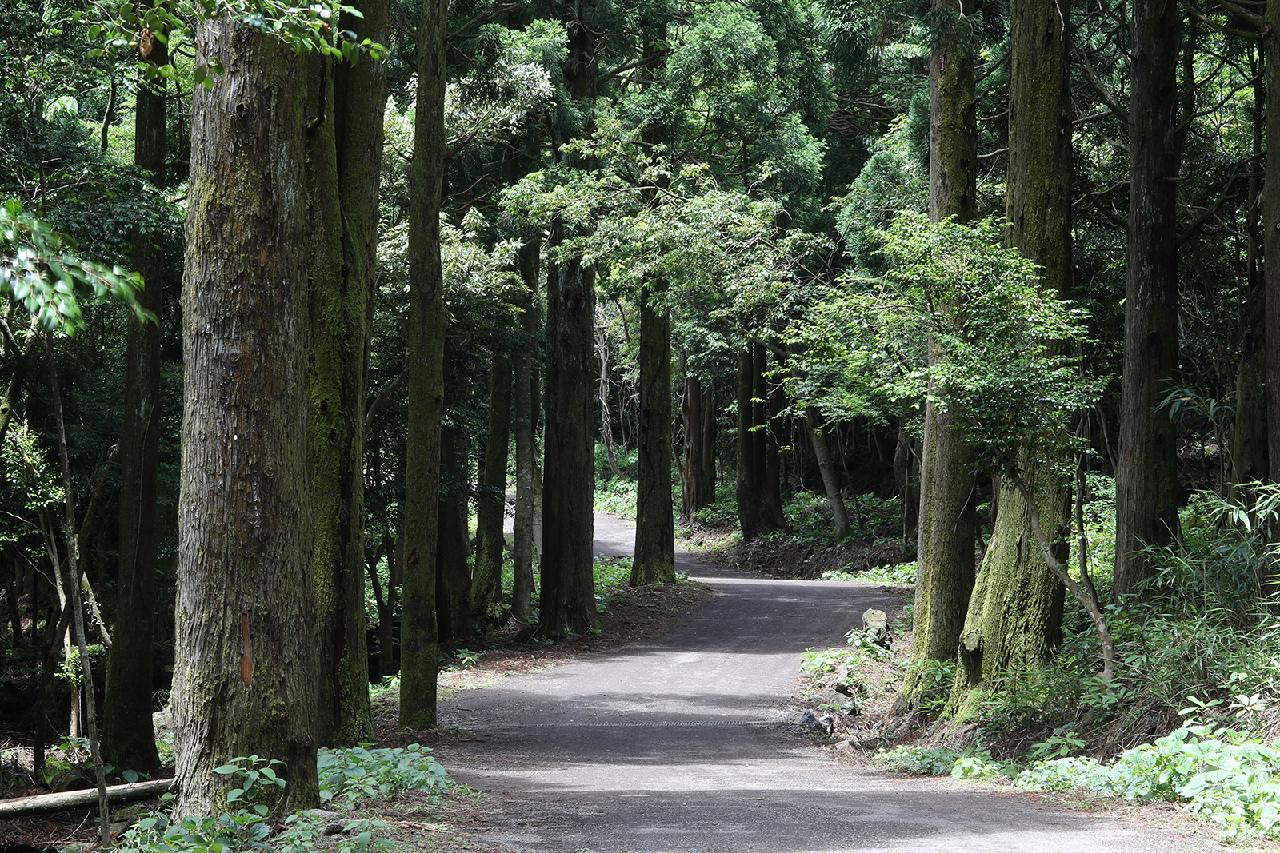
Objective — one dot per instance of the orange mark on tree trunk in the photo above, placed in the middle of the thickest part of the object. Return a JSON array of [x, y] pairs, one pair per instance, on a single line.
[[246, 650]]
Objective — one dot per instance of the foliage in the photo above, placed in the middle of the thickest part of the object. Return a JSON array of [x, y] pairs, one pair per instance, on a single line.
[[359, 773], [41, 270], [894, 573], [347, 777]]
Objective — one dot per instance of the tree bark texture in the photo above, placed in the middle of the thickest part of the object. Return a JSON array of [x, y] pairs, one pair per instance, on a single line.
[[654, 553], [946, 522], [128, 736], [419, 644], [698, 465], [567, 601], [1015, 612], [1146, 468], [245, 657]]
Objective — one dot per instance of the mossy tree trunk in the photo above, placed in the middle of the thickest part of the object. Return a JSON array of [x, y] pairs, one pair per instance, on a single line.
[[244, 675], [567, 602], [946, 526], [654, 553], [344, 135], [128, 736], [1146, 467], [419, 644], [1015, 612]]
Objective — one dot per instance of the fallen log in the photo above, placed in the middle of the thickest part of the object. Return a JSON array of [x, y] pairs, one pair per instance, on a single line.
[[87, 797]]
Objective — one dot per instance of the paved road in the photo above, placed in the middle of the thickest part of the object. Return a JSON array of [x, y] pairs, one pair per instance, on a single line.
[[686, 744]]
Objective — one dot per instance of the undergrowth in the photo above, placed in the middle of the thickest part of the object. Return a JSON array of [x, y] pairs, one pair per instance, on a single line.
[[347, 777], [1190, 716]]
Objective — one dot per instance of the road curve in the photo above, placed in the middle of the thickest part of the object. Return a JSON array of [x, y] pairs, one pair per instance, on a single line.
[[686, 744]]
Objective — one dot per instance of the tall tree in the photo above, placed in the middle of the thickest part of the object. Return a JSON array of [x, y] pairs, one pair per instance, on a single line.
[[698, 462], [757, 488], [1015, 611], [344, 135], [946, 522], [419, 644], [654, 550], [654, 554], [567, 600], [1271, 228], [128, 736], [491, 497], [528, 402], [1146, 468], [244, 682]]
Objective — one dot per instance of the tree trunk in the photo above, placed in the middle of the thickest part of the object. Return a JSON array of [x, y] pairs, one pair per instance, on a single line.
[[358, 110], [827, 467], [452, 547], [758, 497], [1249, 457], [1146, 470], [491, 497], [526, 419], [654, 553], [946, 523], [128, 736], [568, 487], [244, 682], [419, 645], [698, 466], [1015, 611], [344, 125], [1271, 242]]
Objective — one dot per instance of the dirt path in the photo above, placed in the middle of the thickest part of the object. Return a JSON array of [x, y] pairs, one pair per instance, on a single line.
[[686, 744]]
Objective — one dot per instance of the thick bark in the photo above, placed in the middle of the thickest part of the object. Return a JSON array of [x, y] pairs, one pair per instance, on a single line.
[[654, 553], [358, 110], [419, 645], [1146, 469], [244, 679], [698, 463], [128, 736], [827, 467], [946, 523], [452, 549], [1015, 612], [491, 497], [526, 420], [567, 602]]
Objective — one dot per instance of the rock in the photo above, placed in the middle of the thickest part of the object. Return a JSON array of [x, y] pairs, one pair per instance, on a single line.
[[824, 723], [876, 623], [334, 823]]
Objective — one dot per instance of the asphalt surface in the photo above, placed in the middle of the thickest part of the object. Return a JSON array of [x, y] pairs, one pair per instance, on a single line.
[[688, 744]]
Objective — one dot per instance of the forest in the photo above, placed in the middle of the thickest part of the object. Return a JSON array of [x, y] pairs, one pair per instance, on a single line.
[[564, 425]]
